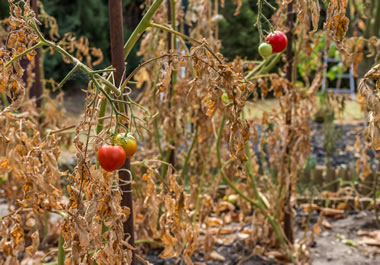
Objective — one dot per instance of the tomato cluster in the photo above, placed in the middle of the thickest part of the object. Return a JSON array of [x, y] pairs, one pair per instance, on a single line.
[[276, 43], [112, 157]]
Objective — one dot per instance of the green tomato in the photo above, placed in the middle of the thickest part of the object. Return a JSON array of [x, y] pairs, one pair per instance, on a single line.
[[233, 198], [265, 49], [3, 179], [226, 100]]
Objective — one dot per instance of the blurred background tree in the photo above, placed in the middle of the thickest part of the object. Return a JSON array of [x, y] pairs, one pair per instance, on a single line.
[[238, 34], [373, 13], [89, 18]]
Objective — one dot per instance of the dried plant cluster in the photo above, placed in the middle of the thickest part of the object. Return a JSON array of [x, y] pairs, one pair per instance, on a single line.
[[369, 89], [192, 142]]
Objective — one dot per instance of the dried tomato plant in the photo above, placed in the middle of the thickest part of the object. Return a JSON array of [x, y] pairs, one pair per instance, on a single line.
[[196, 147]]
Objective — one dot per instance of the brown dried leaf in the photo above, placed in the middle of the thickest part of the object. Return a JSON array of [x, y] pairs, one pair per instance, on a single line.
[[326, 224], [216, 256], [317, 229]]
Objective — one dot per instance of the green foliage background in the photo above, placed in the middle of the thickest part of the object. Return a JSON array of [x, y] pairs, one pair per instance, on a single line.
[[84, 18], [89, 18], [238, 34]]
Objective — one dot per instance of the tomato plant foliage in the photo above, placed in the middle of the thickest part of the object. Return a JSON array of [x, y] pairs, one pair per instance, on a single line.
[[191, 122]]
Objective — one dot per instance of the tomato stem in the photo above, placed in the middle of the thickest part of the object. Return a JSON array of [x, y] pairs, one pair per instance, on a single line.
[[76, 67], [4, 99], [257, 203], [257, 68], [18, 56], [269, 67], [61, 250], [167, 29], [141, 27]]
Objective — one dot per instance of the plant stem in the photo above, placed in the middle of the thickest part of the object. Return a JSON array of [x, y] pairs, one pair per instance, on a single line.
[[276, 227], [61, 251], [4, 99], [158, 26], [173, 20], [141, 27], [46, 225], [86, 69], [165, 165], [173, 46], [109, 85], [154, 25], [258, 21], [251, 174], [76, 67], [220, 166], [271, 64], [254, 70], [18, 56], [102, 112]]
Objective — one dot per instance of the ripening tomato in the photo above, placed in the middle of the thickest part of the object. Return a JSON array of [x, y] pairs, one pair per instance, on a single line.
[[278, 40], [265, 49], [111, 157], [128, 142]]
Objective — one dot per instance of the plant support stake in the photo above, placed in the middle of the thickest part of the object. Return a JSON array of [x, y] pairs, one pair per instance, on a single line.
[[117, 54], [36, 90], [288, 229]]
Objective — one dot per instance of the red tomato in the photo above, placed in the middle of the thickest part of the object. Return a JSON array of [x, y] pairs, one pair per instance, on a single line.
[[111, 157], [234, 215], [278, 40]]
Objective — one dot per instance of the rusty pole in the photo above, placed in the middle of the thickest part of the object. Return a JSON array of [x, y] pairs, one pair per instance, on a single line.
[[117, 55], [288, 228]]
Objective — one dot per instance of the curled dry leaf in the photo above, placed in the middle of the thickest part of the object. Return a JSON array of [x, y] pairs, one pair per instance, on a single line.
[[337, 22]]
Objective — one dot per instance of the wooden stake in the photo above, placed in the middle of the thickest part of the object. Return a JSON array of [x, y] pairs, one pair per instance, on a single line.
[[117, 54], [288, 225]]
